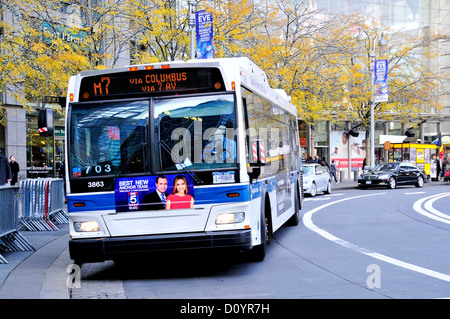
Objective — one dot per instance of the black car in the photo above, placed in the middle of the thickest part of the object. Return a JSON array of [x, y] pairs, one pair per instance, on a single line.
[[391, 175]]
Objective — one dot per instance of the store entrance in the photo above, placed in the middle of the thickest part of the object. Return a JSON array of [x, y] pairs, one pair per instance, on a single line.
[[59, 157]]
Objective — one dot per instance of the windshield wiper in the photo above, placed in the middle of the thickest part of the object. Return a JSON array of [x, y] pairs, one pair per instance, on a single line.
[[128, 162], [180, 162]]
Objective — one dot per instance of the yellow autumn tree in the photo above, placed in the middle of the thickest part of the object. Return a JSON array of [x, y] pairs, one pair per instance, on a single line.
[[45, 42], [413, 86], [160, 30], [37, 59], [316, 59], [286, 40]]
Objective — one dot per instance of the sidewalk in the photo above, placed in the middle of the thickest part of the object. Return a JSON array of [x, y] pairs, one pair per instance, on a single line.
[[345, 184], [27, 274]]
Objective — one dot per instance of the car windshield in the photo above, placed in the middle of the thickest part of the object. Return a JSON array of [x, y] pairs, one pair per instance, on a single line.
[[385, 167], [307, 170]]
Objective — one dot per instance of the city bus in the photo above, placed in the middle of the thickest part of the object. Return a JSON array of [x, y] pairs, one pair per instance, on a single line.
[[179, 155]]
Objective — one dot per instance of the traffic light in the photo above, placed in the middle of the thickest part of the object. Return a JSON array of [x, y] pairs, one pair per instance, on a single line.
[[45, 122]]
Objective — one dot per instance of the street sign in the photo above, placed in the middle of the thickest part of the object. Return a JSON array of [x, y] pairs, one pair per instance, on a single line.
[[61, 100], [381, 93]]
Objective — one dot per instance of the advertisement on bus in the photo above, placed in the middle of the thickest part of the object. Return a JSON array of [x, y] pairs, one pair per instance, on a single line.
[[154, 192]]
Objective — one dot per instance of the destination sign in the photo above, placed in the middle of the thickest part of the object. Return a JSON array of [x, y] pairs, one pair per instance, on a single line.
[[150, 82]]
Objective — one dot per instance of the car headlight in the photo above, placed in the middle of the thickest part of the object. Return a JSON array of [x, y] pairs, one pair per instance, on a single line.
[[87, 226], [230, 218], [383, 176]]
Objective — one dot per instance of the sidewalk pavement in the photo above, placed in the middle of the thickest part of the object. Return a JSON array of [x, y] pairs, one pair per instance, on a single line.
[[38, 274], [32, 274]]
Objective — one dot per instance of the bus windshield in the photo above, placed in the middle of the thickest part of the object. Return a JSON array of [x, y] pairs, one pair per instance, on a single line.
[[196, 132], [108, 138]]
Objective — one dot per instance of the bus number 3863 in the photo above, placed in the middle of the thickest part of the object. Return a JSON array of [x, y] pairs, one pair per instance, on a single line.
[[96, 184]]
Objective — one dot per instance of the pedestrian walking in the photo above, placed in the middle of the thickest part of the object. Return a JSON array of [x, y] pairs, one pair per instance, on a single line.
[[438, 167], [14, 169], [333, 171], [5, 170], [324, 162]]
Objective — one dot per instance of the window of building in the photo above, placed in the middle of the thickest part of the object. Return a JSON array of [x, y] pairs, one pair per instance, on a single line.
[[44, 154]]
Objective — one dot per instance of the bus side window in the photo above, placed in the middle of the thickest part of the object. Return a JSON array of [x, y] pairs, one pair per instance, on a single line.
[[247, 138]]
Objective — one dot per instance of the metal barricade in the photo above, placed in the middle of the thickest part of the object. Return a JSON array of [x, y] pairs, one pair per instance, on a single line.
[[41, 204], [10, 239]]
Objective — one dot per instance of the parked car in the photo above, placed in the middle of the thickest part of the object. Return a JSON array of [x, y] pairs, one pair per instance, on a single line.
[[392, 174], [315, 179]]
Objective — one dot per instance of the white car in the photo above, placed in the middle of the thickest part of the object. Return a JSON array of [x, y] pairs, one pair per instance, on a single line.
[[316, 179]]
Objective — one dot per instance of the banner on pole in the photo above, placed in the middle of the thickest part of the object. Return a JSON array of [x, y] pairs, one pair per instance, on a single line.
[[381, 93], [205, 36]]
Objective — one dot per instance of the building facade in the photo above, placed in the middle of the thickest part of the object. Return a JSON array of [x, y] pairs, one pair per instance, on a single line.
[[42, 156], [325, 139], [39, 156]]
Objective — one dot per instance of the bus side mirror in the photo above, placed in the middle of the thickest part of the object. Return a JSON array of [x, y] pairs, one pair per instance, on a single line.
[[259, 159], [45, 122]]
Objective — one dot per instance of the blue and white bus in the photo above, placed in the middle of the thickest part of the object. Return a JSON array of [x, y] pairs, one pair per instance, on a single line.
[[179, 155]]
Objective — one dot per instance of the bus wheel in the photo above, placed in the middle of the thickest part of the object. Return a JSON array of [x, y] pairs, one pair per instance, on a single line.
[[258, 253], [295, 219]]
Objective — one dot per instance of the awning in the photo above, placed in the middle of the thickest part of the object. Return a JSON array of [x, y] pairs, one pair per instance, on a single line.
[[392, 138]]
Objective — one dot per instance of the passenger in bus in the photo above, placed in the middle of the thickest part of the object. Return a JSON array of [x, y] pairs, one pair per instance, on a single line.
[[220, 148], [180, 197], [158, 198]]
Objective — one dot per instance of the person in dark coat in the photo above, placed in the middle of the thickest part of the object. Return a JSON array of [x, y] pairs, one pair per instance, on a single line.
[[5, 170], [157, 199], [14, 169]]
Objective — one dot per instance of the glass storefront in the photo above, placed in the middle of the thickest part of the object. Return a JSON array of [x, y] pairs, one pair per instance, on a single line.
[[44, 154]]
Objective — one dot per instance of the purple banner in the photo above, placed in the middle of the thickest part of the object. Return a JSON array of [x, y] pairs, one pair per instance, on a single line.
[[205, 36]]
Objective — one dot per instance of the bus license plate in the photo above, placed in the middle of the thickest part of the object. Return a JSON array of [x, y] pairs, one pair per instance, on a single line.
[[223, 177]]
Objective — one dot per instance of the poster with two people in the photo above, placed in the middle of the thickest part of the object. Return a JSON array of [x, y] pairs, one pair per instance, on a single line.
[[345, 148], [159, 192]]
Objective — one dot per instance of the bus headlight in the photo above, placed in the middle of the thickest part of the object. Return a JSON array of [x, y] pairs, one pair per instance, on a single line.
[[230, 218], [88, 226]]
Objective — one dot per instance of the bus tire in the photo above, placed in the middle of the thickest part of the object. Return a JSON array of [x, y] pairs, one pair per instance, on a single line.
[[258, 252], [295, 219]]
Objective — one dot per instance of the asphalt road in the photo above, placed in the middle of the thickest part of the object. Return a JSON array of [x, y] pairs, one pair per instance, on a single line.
[[352, 244]]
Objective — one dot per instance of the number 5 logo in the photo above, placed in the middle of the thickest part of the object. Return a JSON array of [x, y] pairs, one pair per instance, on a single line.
[[133, 199]]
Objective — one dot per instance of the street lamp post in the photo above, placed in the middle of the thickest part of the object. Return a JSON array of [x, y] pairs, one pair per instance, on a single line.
[[361, 36], [191, 4], [372, 111]]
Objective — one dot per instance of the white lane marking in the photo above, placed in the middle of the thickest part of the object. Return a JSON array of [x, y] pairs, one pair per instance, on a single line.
[[326, 197], [317, 199], [429, 211], [414, 193], [307, 220], [429, 205]]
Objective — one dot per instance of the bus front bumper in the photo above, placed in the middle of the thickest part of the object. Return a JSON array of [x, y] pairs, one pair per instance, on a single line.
[[101, 249]]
